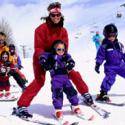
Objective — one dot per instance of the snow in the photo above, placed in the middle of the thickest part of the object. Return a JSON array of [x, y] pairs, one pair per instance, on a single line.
[[41, 107], [84, 54]]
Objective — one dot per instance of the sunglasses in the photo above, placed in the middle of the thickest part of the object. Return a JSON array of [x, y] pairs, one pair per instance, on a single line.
[[55, 15], [60, 49], [4, 57]]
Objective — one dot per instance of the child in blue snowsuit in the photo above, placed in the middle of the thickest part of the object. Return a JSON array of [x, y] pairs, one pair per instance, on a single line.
[[97, 40], [111, 51], [59, 63]]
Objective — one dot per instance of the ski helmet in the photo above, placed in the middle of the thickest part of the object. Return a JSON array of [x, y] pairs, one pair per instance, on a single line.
[[110, 30], [12, 46]]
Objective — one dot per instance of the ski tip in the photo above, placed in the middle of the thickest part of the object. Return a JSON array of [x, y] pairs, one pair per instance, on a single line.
[[66, 123], [91, 118], [106, 115], [75, 123]]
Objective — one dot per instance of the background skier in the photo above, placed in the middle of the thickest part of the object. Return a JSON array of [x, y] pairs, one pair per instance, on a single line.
[[5, 68], [15, 59], [97, 39], [16, 75], [111, 51]]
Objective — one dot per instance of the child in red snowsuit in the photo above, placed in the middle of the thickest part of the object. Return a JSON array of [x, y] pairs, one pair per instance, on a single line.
[[14, 73], [5, 67]]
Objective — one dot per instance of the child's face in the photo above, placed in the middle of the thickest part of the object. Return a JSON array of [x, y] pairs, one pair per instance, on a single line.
[[55, 17], [2, 37], [60, 49], [112, 37], [12, 50], [5, 57]]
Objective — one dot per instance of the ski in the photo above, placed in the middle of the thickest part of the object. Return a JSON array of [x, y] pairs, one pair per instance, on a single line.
[[32, 120], [8, 99], [116, 104], [11, 92], [83, 117], [100, 111], [36, 121], [113, 103], [62, 122]]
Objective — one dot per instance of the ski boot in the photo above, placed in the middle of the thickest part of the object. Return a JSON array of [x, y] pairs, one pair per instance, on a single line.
[[21, 112], [59, 114], [76, 110], [23, 88], [25, 80], [103, 97], [88, 99]]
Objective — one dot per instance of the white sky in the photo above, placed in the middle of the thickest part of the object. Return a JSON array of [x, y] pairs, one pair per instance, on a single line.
[[24, 16]]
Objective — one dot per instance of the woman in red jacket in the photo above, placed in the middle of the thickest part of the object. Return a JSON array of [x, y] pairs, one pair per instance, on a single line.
[[45, 35]]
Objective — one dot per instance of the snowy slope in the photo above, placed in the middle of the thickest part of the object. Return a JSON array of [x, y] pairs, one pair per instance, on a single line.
[[42, 107], [83, 51]]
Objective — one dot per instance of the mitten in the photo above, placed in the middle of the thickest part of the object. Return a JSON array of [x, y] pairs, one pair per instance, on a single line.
[[70, 64], [97, 66], [44, 63]]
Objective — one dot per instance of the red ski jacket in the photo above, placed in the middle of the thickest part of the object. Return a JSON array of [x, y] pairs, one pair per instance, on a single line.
[[45, 35]]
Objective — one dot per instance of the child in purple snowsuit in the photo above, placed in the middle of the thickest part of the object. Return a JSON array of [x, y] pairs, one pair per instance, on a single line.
[[59, 63], [111, 51]]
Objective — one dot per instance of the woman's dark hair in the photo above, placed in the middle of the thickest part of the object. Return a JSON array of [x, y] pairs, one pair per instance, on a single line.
[[3, 34], [54, 5], [55, 43]]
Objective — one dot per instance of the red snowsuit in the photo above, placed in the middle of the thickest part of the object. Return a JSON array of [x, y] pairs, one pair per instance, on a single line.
[[45, 35], [4, 79]]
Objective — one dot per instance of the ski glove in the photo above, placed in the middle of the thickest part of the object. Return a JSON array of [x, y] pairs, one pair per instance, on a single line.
[[20, 67], [43, 62], [97, 66], [7, 63], [70, 64]]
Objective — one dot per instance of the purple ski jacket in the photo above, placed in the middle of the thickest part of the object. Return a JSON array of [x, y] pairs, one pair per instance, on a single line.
[[110, 52]]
